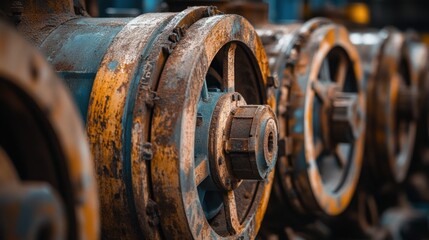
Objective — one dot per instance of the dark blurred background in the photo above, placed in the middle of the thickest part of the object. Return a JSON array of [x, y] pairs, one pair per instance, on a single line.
[[404, 14]]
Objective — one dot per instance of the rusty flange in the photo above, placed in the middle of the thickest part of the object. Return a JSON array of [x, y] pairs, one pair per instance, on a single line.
[[321, 113], [43, 142], [216, 69], [391, 85], [120, 127], [115, 78]]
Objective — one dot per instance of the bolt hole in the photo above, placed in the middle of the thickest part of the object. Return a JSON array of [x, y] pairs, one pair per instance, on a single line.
[[270, 142]]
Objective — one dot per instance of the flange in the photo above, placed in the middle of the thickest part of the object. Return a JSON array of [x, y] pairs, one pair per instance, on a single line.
[[218, 59]]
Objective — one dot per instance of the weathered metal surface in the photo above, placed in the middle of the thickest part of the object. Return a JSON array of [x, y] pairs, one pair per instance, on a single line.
[[256, 12], [390, 76], [122, 96], [322, 117], [141, 97], [76, 49], [251, 142], [44, 138], [207, 56], [123, 179], [36, 19]]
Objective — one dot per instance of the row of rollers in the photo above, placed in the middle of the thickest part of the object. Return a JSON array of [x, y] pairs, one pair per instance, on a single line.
[[152, 181]]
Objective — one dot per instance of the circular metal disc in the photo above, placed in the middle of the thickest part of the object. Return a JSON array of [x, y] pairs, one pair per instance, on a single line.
[[173, 167]]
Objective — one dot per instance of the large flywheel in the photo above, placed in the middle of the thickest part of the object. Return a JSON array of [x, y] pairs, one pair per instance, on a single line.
[[121, 79], [214, 137]]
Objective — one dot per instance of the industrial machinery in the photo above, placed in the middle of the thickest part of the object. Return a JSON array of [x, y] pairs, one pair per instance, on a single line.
[[392, 92], [391, 82], [321, 110], [176, 113], [204, 124], [47, 180]]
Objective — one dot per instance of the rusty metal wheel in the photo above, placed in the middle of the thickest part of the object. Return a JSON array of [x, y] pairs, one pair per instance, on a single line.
[[214, 138], [392, 105], [47, 186], [321, 109], [113, 78]]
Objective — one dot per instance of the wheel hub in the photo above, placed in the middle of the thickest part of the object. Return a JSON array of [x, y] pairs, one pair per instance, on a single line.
[[241, 138], [342, 121], [346, 118]]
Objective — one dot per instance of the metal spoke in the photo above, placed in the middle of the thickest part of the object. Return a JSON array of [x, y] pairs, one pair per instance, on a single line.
[[325, 73], [318, 148], [215, 74], [340, 75], [322, 88], [340, 156], [202, 170], [229, 68], [231, 215]]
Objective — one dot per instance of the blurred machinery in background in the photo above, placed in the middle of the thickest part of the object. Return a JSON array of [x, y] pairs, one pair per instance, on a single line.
[[203, 124], [322, 114], [47, 183]]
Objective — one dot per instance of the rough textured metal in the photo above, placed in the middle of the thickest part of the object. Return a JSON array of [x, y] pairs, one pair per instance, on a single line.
[[122, 172], [315, 63], [256, 12], [141, 82], [174, 164], [115, 80], [42, 135], [251, 142], [41, 17]]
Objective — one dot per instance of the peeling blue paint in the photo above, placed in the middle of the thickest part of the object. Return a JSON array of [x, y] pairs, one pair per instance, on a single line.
[[112, 65]]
